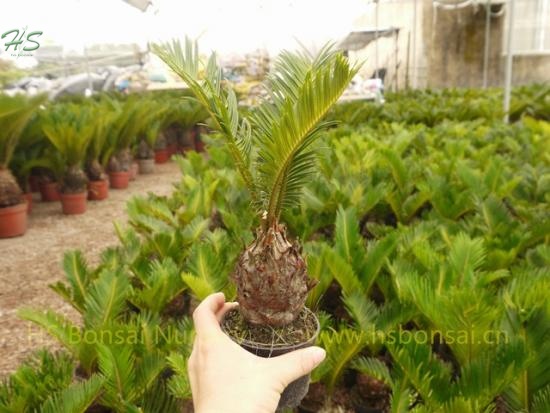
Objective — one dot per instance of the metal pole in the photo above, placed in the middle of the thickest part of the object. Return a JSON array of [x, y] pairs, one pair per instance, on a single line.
[[414, 62], [90, 86], [509, 57], [376, 41], [487, 43]]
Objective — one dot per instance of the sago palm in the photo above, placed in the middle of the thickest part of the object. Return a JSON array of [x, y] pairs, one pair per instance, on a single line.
[[69, 128], [272, 150], [14, 114]]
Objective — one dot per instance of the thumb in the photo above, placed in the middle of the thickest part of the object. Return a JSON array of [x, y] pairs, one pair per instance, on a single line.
[[296, 364]]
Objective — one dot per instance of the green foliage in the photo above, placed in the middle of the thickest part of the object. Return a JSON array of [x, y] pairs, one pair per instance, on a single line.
[[15, 112], [428, 238], [271, 149]]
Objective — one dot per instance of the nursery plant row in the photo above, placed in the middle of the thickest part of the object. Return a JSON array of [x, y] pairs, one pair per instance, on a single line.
[[74, 151], [428, 237]]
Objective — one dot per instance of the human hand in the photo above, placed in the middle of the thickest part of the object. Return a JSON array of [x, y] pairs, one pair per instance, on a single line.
[[226, 378]]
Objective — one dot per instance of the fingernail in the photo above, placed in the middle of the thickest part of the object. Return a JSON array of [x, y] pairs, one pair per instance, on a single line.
[[318, 355]]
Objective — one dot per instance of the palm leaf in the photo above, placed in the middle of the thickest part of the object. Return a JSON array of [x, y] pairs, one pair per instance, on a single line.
[[76, 398]]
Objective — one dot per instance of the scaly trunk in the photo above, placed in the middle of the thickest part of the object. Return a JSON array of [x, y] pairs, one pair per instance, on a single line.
[[145, 151], [74, 181], [95, 171], [10, 193], [271, 278], [121, 161], [160, 142]]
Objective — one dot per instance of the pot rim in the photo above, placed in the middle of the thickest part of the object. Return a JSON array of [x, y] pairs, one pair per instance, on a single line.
[[75, 194], [14, 208], [273, 347]]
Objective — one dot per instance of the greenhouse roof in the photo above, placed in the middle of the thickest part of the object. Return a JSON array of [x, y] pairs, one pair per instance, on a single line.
[[359, 39]]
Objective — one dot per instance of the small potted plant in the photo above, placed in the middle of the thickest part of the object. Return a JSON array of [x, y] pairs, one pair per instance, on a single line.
[[30, 147], [14, 114], [123, 136], [99, 152], [149, 137], [272, 150], [70, 128]]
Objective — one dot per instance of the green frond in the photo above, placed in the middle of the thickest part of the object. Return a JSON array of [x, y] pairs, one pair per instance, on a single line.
[[76, 398], [56, 325], [78, 276], [362, 310], [160, 285], [341, 347], [541, 401], [375, 368], [303, 89], [116, 364], [106, 298], [179, 384], [215, 97]]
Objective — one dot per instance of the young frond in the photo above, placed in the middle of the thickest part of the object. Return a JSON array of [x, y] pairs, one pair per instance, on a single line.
[[303, 90], [76, 398]]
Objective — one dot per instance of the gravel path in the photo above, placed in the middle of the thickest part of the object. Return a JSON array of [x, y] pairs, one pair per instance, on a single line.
[[30, 263]]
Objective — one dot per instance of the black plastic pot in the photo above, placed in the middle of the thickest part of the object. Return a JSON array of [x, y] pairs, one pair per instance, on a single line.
[[295, 391]]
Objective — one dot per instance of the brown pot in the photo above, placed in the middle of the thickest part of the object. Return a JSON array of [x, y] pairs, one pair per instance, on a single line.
[[74, 204], [294, 393], [134, 169], [161, 156], [13, 220], [28, 199], [119, 180], [146, 166], [34, 183], [98, 190], [49, 191]]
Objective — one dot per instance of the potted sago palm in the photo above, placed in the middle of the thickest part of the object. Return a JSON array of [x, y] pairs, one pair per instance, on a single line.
[[147, 153], [99, 152], [123, 135], [30, 147], [70, 128], [272, 149], [15, 112]]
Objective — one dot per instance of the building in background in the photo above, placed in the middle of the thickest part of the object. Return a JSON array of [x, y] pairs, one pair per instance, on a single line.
[[441, 43]]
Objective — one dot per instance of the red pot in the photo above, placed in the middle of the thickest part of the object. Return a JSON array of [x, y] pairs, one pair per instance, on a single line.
[[199, 145], [13, 220], [28, 199], [49, 191], [74, 204], [161, 156], [34, 183], [119, 180], [134, 169], [98, 190]]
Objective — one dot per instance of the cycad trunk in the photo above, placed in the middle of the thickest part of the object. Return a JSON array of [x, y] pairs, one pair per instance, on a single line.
[[95, 171], [10, 192], [271, 278], [74, 181]]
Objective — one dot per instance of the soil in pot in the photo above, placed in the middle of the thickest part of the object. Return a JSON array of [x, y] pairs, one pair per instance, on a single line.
[[161, 156], [146, 166], [266, 341], [98, 190], [49, 192], [13, 220], [119, 180], [74, 204]]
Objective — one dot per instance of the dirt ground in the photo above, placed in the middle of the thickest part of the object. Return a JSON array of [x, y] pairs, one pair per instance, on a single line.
[[30, 263]]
